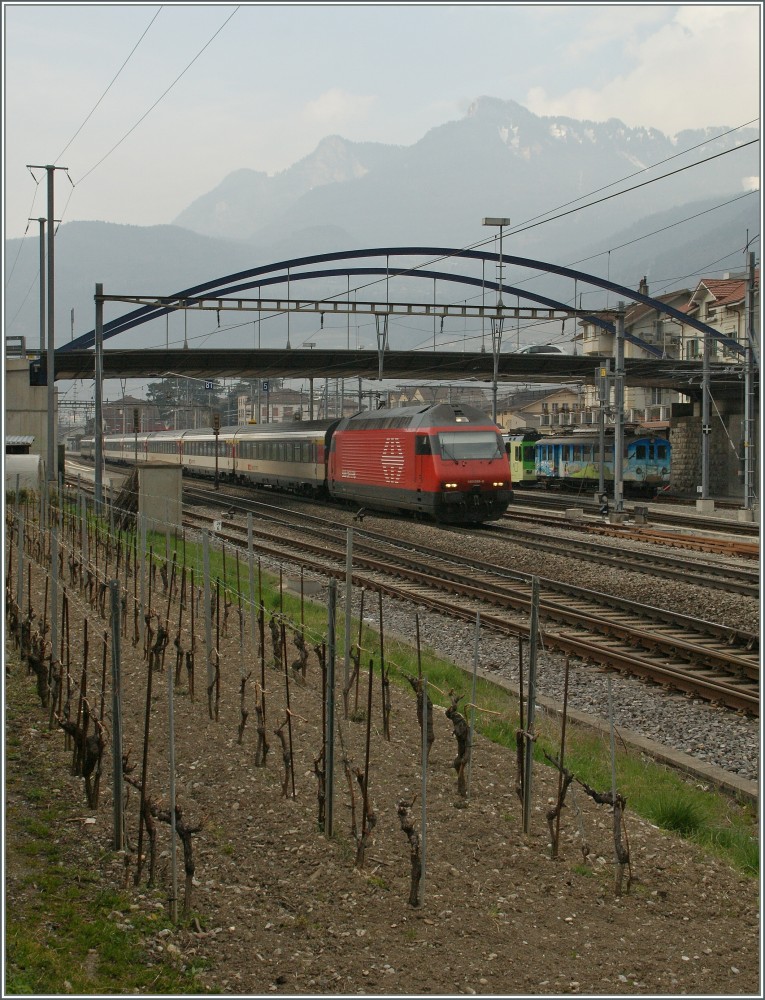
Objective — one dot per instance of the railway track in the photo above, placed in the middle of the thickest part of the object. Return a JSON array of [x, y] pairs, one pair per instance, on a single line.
[[709, 661], [525, 500], [712, 575]]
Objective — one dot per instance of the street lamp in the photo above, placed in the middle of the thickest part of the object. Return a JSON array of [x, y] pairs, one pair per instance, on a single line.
[[496, 325], [501, 222]]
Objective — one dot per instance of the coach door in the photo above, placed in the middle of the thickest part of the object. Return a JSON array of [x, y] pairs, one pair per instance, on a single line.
[[639, 464], [423, 465]]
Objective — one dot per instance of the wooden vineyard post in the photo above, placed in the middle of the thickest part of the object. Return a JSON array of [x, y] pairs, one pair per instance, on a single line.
[[289, 710], [171, 763], [116, 716], [329, 739], [555, 833], [519, 733], [149, 631], [208, 616], [531, 706], [144, 775], [178, 643], [142, 610], [365, 814], [190, 664], [53, 607], [385, 683], [20, 570], [621, 854], [240, 613], [251, 569], [471, 737], [170, 589], [348, 599], [417, 639], [426, 744]]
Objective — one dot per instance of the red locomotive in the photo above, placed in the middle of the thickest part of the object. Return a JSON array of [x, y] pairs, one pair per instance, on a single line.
[[446, 461]]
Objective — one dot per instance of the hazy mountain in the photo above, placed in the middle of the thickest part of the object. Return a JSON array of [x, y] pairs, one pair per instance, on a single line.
[[247, 201], [500, 159]]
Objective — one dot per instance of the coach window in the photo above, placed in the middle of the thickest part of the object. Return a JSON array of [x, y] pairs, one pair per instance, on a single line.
[[422, 445]]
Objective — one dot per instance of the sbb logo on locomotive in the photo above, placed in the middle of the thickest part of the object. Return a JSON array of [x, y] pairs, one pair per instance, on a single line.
[[392, 460]]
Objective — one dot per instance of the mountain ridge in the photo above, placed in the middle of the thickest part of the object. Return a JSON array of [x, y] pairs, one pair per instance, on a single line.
[[499, 158]]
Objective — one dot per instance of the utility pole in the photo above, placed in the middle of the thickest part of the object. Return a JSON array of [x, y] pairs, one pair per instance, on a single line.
[[496, 324], [750, 399], [619, 407], [50, 473], [42, 285], [706, 427], [603, 382], [98, 429]]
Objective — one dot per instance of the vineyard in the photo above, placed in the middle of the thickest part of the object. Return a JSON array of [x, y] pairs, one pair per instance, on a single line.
[[311, 831]]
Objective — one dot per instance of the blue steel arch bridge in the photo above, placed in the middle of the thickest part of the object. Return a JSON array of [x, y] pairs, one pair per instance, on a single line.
[[227, 295]]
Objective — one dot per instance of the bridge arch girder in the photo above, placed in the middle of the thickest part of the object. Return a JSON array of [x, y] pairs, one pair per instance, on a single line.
[[172, 302]]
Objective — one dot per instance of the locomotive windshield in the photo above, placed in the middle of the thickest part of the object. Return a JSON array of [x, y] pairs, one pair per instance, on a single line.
[[461, 445]]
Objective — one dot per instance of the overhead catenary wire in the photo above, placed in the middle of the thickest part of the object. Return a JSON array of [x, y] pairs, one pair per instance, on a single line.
[[113, 81], [29, 219], [160, 98]]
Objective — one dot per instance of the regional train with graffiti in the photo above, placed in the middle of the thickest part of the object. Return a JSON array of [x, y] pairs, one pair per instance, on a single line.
[[572, 461], [445, 461]]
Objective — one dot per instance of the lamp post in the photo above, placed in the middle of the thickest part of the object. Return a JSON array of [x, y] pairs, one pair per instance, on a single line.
[[496, 325]]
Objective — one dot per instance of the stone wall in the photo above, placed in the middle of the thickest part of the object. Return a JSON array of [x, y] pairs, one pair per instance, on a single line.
[[725, 472]]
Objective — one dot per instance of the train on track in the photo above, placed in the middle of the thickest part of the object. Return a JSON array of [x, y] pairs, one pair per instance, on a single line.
[[572, 461], [441, 460]]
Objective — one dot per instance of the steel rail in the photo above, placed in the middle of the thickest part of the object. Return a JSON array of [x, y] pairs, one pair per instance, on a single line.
[[617, 645]]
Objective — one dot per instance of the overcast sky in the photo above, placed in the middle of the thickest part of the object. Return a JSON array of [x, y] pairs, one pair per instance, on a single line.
[[189, 93]]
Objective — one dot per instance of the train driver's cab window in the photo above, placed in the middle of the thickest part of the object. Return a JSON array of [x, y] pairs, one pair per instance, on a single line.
[[464, 445], [640, 452], [661, 452], [422, 445]]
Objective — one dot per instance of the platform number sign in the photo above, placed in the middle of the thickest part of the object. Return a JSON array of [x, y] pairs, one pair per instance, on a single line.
[[265, 387], [209, 386]]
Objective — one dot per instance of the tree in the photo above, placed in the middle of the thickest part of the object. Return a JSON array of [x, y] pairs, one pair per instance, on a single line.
[[171, 393]]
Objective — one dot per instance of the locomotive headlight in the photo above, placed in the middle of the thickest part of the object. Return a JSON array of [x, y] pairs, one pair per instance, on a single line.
[[499, 484], [449, 486]]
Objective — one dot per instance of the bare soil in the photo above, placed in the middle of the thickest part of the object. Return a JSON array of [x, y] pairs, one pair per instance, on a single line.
[[281, 908]]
